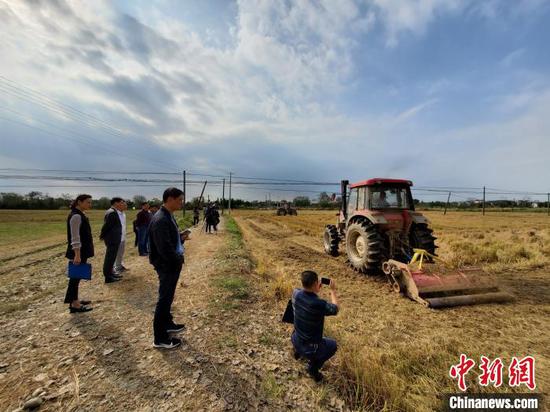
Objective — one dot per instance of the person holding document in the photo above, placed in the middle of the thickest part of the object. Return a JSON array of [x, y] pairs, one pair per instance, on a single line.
[[166, 251], [80, 247]]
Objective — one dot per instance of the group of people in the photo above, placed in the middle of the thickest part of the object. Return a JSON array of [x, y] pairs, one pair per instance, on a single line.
[[80, 244], [211, 217], [160, 238]]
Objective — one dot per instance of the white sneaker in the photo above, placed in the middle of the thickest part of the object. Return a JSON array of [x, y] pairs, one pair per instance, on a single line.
[[170, 343]]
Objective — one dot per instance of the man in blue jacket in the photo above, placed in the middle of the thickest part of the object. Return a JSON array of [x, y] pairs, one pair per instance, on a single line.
[[166, 252], [309, 320]]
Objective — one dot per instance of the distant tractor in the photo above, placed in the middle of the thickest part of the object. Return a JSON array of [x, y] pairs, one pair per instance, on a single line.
[[285, 208], [383, 233]]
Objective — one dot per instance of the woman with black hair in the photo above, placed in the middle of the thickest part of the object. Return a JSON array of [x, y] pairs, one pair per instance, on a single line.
[[80, 247]]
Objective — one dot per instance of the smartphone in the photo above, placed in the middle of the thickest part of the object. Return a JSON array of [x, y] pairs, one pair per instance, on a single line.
[[325, 281]]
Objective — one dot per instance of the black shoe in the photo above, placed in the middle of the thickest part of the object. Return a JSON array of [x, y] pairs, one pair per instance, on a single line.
[[80, 309], [176, 328], [169, 343], [112, 279], [297, 356], [315, 374]]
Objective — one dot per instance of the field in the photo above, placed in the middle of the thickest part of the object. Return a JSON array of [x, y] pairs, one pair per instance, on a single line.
[[394, 354]]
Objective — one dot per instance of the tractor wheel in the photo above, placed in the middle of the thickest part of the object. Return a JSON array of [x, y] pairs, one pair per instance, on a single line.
[[365, 247], [421, 238], [294, 212], [281, 212], [331, 239]]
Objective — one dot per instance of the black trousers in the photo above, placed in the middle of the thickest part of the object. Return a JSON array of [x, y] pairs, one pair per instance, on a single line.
[[195, 220], [168, 280], [111, 251], [72, 288]]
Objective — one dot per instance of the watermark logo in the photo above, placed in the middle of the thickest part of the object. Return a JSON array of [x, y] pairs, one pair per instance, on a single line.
[[520, 372]]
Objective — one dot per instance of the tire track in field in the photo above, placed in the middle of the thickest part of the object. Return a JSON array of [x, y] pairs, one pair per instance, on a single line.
[[31, 252]]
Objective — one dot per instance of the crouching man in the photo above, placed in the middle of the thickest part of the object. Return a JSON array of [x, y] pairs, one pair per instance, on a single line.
[[309, 319]]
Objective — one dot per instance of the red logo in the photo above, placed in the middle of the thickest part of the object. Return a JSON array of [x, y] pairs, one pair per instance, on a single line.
[[520, 372], [460, 370], [491, 372]]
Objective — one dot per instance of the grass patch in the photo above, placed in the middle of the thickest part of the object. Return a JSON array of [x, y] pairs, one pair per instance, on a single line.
[[233, 279], [271, 387], [236, 286]]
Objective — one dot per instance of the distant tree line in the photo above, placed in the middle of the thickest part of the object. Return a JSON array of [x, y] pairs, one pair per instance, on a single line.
[[38, 200]]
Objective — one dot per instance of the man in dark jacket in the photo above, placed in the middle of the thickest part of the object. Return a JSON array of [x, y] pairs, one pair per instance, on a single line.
[[309, 319], [143, 219], [111, 234], [166, 255]]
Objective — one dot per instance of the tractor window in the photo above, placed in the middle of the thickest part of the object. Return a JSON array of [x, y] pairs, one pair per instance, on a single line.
[[352, 201], [389, 198], [361, 194]]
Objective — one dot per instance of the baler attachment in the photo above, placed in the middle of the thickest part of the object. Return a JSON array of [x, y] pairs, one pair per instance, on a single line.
[[426, 280]]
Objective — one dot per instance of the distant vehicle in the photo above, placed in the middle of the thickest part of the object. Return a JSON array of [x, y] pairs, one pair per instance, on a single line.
[[285, 208]]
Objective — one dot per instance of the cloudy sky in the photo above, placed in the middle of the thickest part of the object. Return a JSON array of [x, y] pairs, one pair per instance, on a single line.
[[443, 92]]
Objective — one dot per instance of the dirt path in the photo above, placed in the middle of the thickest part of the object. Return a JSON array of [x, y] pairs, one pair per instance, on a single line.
[[235, 354]]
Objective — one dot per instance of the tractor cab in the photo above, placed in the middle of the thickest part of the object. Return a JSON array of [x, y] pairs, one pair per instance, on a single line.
[[387, 202], [380, 194]]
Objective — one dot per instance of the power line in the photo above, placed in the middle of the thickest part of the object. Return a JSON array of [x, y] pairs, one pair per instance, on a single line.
[[80, 140]]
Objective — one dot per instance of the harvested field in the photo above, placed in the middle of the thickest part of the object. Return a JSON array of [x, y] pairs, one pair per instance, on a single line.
[[394, 353]]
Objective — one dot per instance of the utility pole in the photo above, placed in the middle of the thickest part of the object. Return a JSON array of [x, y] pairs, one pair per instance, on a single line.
[[184, 196], [447, 204], [483, 205], [548, 204], [229, 207], [223, 194]]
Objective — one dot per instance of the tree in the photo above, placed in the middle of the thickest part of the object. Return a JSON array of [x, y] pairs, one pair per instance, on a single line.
[[324, 199], [139, 199], [301, 201]]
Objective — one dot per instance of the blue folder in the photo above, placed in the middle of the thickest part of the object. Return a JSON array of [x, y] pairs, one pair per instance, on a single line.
[[82, 271]]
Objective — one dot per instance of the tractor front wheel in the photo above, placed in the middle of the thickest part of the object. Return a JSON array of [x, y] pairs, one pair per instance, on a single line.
[[421, 237], [331, 239], [365, 247]]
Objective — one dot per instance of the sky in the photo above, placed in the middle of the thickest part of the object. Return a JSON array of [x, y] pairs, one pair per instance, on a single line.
[[441, 92]]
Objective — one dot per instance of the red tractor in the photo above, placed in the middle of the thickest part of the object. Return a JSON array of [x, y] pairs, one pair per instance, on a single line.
[[378, 222], [383, 233]]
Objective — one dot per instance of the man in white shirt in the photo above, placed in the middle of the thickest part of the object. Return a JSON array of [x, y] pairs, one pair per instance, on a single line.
[[119, 266]]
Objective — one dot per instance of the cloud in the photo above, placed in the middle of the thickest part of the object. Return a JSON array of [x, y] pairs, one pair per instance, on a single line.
[[411, 16], [276, 98]]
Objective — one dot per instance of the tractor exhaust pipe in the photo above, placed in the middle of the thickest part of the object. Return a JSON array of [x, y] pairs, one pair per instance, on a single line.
[[344, 188]]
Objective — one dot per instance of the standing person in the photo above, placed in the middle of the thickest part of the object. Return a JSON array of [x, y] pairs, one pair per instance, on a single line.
[[143, 219], [166, 253], [134, 227], [119, 267], [196, 215], [209, 217], [309, 320], [111, 234], [215, 217], [80, 248]]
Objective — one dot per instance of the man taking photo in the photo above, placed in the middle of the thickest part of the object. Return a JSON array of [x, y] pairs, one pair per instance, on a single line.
[[309, 319], [166, 252]]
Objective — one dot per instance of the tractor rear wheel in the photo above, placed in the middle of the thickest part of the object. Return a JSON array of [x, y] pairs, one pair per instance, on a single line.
[[421, 237], [331, 239], [281, 212], [365, 247]]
